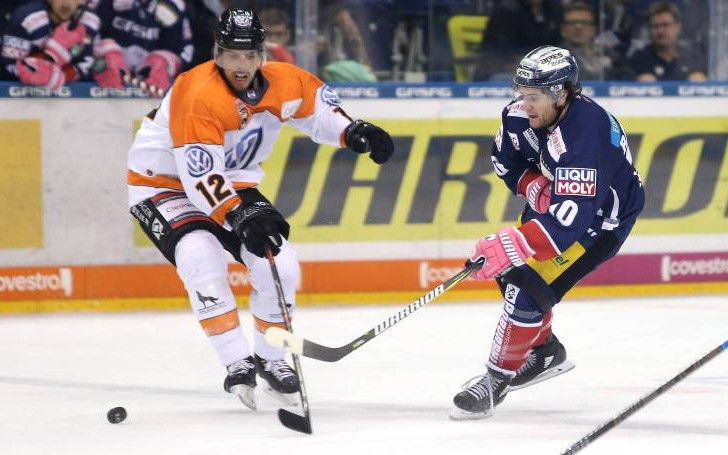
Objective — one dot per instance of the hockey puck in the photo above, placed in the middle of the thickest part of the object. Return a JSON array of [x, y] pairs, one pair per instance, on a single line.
[[116, 415]]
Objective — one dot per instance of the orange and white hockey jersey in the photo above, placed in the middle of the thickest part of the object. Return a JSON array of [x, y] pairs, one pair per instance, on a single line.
[[205, 141]]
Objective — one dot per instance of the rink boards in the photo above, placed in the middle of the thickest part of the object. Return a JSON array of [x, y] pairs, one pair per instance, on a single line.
[[363, 233]]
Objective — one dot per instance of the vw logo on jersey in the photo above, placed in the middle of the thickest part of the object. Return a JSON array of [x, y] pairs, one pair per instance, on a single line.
[[244, 153], [199, 161], [330, 97]]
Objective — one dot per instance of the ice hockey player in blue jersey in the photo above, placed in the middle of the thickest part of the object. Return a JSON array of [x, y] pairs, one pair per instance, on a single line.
[[570, 159], [148, 40], [48, 42]]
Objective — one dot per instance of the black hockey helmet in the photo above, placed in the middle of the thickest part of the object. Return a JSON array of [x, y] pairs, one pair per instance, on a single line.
[[549, 68], [240, 29]]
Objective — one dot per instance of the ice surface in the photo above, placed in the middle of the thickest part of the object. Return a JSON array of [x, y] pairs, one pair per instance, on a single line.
[[59, 374]]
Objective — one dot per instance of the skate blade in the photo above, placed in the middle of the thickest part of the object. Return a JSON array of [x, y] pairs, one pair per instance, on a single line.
[[564, 367], [245, 394], [288, 399], [458, 414]]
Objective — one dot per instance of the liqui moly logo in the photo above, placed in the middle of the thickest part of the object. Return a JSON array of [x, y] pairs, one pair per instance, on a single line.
[[38, 282], [575, 181]]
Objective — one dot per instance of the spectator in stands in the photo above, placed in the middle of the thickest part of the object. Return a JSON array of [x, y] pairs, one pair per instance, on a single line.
[[665, 58], [514, 28], [147, 39], [47, 42], [204, 16], [619, 25], [578, 29], [277, 25], [342, 53]]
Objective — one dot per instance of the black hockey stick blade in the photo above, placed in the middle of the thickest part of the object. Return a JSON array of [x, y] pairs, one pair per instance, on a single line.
[[296, 344], [642, 402], [295, 422]]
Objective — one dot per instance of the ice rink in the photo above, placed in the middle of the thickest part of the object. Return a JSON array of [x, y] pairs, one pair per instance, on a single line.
[[59, 374]]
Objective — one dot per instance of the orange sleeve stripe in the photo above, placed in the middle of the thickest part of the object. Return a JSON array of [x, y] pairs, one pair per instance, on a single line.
[[539, 241], [135, 179], [262, 325], [223, 209], [221, 323], [242, 185]]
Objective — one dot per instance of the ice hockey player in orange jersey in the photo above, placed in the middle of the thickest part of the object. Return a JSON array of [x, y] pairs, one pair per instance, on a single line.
[[194, 168]]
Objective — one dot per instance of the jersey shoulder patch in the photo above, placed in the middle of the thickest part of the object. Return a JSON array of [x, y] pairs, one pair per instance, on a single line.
[[291, 91], [517, 109]]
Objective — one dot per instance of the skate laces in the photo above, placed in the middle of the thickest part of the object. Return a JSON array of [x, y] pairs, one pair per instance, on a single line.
[[241, 366], [279, 368], [530, 361], [482, 388]]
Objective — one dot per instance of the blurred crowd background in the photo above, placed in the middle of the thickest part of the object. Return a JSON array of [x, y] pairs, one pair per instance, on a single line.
[[356, 41]]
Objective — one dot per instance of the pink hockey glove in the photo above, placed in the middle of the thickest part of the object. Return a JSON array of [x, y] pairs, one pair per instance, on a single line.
[[65, 43], [538, 193], [109, 68], [37, 71], [158, 69], [501, 250]]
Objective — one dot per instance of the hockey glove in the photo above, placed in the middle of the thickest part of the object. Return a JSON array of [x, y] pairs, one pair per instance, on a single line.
[[158, 70], [109, 68], [38, 71], [258, 226], [505, 248], [66, 42], [537, 189], [363, 137]]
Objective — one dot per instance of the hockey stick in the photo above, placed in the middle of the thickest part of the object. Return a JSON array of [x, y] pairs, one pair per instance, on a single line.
[[639, 404], [288, 419], [298, 345]]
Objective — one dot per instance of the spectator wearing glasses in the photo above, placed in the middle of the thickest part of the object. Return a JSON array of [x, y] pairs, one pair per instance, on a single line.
[[578, 30], [665, 58], [276, 23]]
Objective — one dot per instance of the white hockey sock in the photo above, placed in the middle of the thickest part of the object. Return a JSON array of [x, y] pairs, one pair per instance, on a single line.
[[201, 266]]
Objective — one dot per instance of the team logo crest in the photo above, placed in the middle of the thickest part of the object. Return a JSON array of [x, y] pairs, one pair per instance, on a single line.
[[244, 112], [329, 96], [576, 181], [199, 161], [245, 19]]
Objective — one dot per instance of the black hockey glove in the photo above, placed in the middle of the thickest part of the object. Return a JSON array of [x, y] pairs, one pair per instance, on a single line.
[[258, 226], [363, 137]]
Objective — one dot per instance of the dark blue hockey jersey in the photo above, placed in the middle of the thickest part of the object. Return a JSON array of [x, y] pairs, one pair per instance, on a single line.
[[594, 185], [143, 26], [30, 26]]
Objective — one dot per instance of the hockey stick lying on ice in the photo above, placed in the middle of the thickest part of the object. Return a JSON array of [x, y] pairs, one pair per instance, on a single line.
[[287, 418], [639, 404], [299, 345]]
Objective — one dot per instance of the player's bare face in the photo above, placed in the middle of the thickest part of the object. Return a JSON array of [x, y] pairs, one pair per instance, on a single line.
[[539, 106], [239, 66], [62, 10]]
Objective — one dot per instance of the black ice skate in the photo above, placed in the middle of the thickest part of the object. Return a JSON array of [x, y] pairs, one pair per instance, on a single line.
[[543, 362], [240, 380], [478, 399], [282, 382]]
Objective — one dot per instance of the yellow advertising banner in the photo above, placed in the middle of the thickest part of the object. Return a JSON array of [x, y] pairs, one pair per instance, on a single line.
[[21, 210], [441, 184]]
